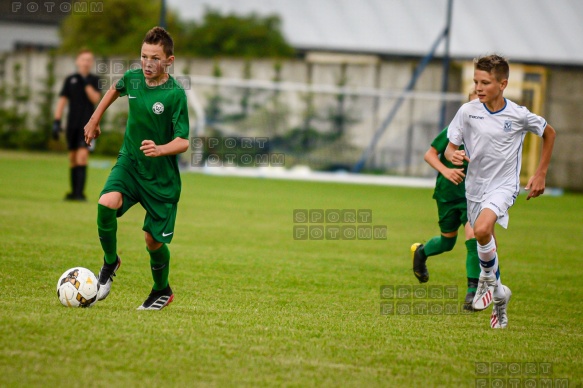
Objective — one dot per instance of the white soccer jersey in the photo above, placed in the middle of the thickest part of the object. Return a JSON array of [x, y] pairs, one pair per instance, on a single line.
[[493, 142]]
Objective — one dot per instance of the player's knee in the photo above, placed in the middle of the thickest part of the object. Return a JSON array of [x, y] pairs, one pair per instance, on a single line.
[[111, 200], [447, 243], [482, 233], [151, 243], [82, 157], [72, 158]]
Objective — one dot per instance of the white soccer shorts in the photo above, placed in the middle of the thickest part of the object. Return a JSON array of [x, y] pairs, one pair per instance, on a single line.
[[499, 202]]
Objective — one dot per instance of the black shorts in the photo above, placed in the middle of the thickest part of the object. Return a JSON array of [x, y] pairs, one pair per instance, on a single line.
[[76, 139]]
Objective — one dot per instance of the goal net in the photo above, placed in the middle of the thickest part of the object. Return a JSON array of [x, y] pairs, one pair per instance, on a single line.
[[249, 123]]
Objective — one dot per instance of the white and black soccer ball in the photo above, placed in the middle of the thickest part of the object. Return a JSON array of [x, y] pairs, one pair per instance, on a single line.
[[77, 287]]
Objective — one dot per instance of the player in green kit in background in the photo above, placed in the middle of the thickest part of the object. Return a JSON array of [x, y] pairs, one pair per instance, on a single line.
[[450, 195], [147, 166]]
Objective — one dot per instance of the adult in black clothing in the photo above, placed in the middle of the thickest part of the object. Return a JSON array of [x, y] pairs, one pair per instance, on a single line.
[[81, 91]]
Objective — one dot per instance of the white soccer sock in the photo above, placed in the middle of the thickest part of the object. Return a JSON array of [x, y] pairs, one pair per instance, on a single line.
[[488, 257], [489, 265]]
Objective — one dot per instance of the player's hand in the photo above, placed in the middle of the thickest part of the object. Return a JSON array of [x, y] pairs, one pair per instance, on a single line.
[[56, 129], [92, 131], [454, 175], [458, 157], [535, 186], [149, 148]]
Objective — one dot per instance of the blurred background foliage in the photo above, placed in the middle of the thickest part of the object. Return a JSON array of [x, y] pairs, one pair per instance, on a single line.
[[115, 31], [118, 31]]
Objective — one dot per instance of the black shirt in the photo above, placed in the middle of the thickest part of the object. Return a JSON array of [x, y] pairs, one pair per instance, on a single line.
[[80, 107]]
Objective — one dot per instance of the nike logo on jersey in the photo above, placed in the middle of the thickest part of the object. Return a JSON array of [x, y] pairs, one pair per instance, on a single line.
[[130, 96], [166, 234]]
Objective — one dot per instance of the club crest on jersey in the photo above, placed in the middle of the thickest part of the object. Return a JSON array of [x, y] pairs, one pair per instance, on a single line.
[[158, 108], [507, 126]]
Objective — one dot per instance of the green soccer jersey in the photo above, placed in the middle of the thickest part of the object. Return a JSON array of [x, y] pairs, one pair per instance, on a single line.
[[446, 191], [159, 114]]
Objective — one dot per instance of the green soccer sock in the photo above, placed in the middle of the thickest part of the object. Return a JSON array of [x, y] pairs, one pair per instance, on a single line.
[[439, 244], [107, 229], [472, 261], [160, 264]]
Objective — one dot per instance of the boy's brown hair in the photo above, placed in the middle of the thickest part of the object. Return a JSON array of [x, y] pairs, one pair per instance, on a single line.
[[158, 35], [84, 50], [493, 64]]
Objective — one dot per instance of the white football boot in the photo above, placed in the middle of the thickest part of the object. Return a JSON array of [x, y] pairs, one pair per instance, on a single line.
[[106, 279], [483, 297], [499, 317]]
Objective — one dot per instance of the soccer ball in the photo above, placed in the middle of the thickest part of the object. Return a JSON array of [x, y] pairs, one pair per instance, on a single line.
[[77, 287]]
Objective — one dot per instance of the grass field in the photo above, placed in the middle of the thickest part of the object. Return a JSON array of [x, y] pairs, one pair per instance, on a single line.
[[254, 307]]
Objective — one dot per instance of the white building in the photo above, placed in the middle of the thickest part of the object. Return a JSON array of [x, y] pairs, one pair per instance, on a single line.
[[531, 31]]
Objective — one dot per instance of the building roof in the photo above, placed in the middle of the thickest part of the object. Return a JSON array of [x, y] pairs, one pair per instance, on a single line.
[[35, 12], [16, 35], [533, 31], [31, 24]]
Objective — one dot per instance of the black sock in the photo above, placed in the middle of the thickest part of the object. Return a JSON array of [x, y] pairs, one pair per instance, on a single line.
[[79, 173], [73, 178], [81, 180]]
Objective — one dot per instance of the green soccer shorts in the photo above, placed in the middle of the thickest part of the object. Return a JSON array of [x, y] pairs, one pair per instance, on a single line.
[[452, 215], [160, 216]]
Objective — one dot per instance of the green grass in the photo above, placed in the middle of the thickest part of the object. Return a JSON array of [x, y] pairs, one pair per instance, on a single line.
[[255, 307]]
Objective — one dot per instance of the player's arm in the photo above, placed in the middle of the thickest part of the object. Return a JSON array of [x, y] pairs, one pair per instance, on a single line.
[[93, 94], [454, 175], [92, 129], [175, 147], [61, 103], [455, 155], [536, 184], [58, 115]]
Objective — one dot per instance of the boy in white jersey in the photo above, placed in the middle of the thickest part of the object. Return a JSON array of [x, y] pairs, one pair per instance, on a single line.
[[492, 130]]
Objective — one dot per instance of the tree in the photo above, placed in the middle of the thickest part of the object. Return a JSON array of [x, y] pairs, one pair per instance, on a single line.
[[250, 36], [118, 29]]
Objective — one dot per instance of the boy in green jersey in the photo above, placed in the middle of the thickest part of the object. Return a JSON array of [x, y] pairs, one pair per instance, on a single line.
[[450, 195], [146, 170]]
